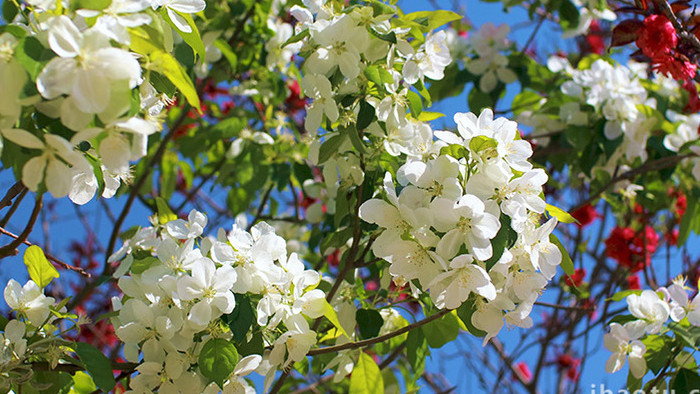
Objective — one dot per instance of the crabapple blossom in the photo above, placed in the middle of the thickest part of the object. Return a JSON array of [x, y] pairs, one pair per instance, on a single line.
[[624, 345], [28, 300], [85, 61]]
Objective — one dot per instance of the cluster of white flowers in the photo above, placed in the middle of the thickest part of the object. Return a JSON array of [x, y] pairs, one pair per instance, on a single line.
[[356, 53], [488, 43], [176, 294], [470, 223], [33, 319], [651, 311], [88, 86], [616, 92]]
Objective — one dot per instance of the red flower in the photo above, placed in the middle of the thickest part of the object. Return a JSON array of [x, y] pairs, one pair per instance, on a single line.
[[571, 364], [372, 285], [618, 243], [632, 250], [576, 279], [672, 237], [681, 204], [658, 37], [633, 282], [693, 105], [294, 102], [674, 66], [595, 39], [333, 259], [524, 370], [585, 215]]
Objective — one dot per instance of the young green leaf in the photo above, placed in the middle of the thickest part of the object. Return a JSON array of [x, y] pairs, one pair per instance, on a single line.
[[560, 214], [41, 271], [366, 377], [330, 314]]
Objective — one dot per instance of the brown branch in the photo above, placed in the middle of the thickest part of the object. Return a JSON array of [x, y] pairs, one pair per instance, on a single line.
[[50, 256], [498, 346], [382, 338], [73, 368], [655, 165], [565, 307], [12, 192], [11, 248]]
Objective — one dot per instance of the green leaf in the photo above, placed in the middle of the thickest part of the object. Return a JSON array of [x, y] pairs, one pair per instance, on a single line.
[[569, 15], [228, 53], [9, 11], [455, 150], [254, 346], [98, 5], [465, 312], [427, 116], [414, 103], [41, 271], [192, 38], [416, 351], [633, 384], [689, 335], [388, 37], [52, 382], [354, 135], [659, 349], [166, 64], [526, 100], [369, 321], [241, 319], [83, 383], [365, 116], [366, 377], [566, 264], [481, 143], [372, 74], [217, 360], [560, 214], [165, 214], [621, 295], [433, 19], [441, 331], [329, 147], [141, 265], [688, 221], [330, 314], [32, 55], [97, 365], [504, 239], [297, 37], [686, 381], [478, 100]]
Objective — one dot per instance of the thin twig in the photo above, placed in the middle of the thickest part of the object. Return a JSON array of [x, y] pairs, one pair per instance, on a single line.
[[50, 256], [382, 338], [11, 248]]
